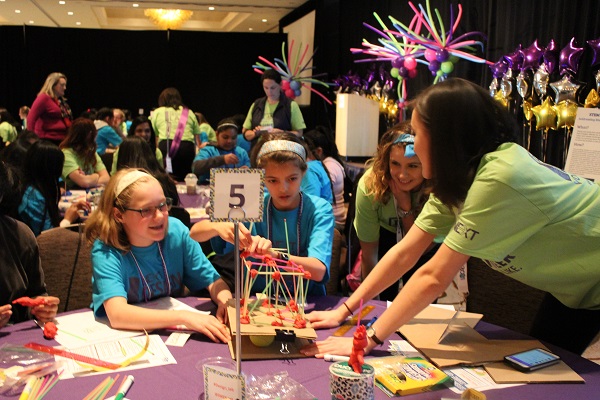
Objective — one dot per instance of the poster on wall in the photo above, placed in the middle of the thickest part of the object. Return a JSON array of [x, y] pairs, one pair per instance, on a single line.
[[583, 158]]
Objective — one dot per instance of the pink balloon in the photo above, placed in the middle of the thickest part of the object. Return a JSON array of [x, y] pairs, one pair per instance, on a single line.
[[412, 73], [285, 85], [410, 63], [430, 55]]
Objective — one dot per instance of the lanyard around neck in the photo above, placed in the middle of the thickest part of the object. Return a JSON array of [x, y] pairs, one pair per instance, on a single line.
[[270, 211], [145, 282]]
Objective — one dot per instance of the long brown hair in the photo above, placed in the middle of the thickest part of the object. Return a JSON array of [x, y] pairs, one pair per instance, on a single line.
[[464, 123], [81, 137]]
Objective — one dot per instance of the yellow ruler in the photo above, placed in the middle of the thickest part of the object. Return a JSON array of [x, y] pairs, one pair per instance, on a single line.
[[344, 328]]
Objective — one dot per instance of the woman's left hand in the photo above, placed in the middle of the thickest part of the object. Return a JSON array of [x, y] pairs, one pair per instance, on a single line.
[[46, 312]]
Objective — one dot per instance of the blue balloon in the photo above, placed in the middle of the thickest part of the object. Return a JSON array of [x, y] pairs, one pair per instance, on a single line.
[[297, 92], [295, 85]]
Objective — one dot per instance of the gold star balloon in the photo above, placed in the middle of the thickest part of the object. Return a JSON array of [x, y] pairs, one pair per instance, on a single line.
[[565, 89], [545, 115], [565, 113], [592, 99]]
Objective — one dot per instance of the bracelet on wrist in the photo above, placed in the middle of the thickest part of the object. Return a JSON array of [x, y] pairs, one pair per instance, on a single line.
[[348, 308]]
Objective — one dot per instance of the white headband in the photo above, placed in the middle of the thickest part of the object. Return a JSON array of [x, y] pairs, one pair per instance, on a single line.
[[282, 145], [128, 179]]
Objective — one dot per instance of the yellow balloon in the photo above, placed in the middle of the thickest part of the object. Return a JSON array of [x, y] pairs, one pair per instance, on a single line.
[[545, 115], [566, 112], [592, 99], [262, 340], [527, 109]]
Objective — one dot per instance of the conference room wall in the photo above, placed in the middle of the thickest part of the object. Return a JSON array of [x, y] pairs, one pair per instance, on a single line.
[[129, 69]]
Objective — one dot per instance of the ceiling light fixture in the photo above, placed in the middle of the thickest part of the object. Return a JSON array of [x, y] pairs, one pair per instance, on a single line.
[[168, 19], [135, 5], [62, 3], [70, 13], [211, 8], [264, 20]]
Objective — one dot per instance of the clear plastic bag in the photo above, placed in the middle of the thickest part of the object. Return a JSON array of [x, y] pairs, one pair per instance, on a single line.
[[276, 386]]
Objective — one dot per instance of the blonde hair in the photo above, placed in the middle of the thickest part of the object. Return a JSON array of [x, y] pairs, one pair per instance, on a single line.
[[102, 224], [50, 82], [377, 183]]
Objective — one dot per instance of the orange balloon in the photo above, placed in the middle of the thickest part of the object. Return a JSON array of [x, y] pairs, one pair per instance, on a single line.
[[545, 115]]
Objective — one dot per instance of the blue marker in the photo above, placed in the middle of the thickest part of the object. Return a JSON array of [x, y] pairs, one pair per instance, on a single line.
[[371, 322]]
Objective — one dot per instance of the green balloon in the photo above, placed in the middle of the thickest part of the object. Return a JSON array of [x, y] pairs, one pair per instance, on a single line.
[[394, 73], [447, 67]]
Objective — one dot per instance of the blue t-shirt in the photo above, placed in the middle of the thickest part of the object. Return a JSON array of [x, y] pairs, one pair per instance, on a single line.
[[32, 211], [116, 274], [316, 182], [213, 151], [316, 236], [107, 136]]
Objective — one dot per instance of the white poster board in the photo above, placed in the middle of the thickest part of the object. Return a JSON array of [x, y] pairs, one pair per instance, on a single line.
[[583, 158]]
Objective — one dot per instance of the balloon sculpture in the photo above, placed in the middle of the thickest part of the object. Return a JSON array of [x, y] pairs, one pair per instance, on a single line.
[[291, 70], [405, 47]]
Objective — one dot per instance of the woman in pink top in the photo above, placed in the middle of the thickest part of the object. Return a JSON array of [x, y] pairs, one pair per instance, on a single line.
[[50, 115]]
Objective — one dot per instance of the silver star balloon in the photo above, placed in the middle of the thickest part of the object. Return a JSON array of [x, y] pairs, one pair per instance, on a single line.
[[540, 80], [597, 76], [493, 87], [565, 89], [506, 84], [522, 84]]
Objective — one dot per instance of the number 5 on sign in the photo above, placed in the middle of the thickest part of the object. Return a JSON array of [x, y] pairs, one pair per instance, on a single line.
[[236, 194]]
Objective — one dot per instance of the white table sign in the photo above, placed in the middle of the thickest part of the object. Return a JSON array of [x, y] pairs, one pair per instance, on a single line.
[[223, 383], [236, 194], [583, 158]]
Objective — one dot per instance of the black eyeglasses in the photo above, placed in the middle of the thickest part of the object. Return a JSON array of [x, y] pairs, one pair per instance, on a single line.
[[151, 211]]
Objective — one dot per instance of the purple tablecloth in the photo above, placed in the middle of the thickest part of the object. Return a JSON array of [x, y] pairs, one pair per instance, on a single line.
[[183, 381]]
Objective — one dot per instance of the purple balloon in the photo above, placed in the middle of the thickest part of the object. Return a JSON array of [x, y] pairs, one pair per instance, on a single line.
[[595, 46], [434, 66], [514, 59], [441, 55], [570, 56], [398, 62], [499, 68], [403, 72], [551, 56], [532, 56]]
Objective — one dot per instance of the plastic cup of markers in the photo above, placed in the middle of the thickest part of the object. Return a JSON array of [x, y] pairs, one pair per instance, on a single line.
[[345, 384], [209, 367]]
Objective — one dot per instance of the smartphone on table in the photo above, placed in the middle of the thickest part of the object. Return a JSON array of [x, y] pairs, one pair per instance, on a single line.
[[531, 360]]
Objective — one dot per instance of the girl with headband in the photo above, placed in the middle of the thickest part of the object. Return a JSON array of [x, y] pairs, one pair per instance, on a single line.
[[291, 218], [389, 197], [223, 154], [139, 254]]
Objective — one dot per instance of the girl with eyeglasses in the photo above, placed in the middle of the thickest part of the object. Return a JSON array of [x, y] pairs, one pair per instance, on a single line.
[[140, 254]]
